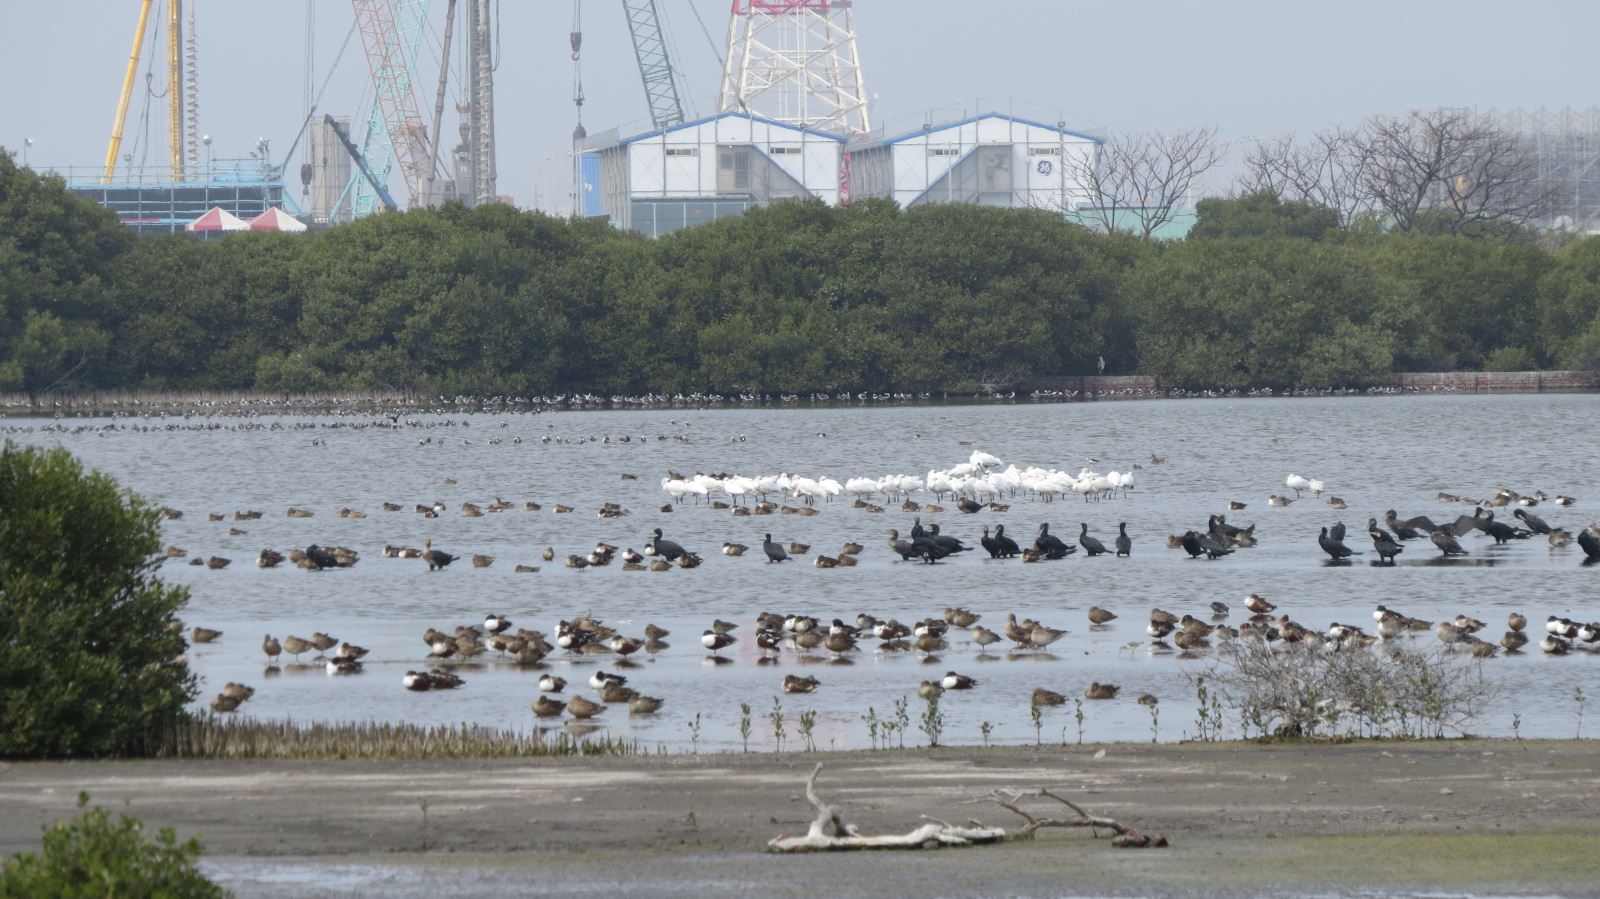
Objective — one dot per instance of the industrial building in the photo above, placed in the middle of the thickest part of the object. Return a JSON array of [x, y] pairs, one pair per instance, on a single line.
[[708, 169], [990, 159], [160, 199]]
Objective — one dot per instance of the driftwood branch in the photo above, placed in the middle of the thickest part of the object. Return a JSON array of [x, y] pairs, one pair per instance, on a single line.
[[830, 832], [1126, 836]]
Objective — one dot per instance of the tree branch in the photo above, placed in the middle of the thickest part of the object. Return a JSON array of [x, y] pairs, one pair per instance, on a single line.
[[939, 833]]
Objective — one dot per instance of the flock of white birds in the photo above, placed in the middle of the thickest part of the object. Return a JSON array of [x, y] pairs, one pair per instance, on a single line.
[[981, 478]]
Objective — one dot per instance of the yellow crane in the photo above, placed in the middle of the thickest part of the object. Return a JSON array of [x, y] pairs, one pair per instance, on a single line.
[[174, 10]]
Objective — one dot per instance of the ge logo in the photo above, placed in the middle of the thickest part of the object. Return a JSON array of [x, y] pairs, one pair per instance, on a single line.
[[1046, 166]]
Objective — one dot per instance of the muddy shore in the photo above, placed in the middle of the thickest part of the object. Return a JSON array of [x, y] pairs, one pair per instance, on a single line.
[[1468, 818]]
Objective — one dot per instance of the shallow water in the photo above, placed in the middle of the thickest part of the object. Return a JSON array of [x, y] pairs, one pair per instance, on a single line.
[[1376, 453]]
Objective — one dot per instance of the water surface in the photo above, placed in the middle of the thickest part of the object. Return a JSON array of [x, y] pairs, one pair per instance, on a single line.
[[1375, 453]]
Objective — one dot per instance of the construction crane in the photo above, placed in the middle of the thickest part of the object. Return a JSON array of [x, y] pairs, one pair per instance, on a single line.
[[350, 147], [178, 89], [391, 32], [655, 68]]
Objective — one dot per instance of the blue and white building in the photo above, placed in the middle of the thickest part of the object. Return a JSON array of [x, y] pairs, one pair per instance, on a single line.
[[991, 159], [705, 170]]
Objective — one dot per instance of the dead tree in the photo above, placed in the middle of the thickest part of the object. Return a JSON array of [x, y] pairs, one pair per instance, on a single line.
[[1327, 169], [1135, 182], [1448, 161], [829, 832]]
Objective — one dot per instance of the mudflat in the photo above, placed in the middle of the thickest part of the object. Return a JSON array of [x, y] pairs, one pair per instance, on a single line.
[[1465, 817]]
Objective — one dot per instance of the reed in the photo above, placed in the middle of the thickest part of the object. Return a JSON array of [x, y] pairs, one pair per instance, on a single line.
[[215, 737]]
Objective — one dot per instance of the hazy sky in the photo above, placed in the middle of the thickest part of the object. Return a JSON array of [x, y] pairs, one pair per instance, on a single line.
[[1249, 67]]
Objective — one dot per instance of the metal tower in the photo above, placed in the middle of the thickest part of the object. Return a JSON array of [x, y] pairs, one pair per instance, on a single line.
[[795, 61], [480, 102], [650, 46]]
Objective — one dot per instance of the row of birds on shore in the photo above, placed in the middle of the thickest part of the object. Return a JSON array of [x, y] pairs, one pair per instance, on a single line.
[[971, 484]]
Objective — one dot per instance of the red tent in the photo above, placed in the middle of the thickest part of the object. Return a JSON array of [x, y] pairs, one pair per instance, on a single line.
[[276, 219], [218, 219]]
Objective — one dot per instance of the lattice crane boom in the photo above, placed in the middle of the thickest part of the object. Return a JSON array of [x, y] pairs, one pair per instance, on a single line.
[[391, 33], [655, 67]]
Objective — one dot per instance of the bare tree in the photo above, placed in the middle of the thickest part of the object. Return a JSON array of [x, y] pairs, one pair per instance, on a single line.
[[1327, 169], [1136, 181], [1452, 161]]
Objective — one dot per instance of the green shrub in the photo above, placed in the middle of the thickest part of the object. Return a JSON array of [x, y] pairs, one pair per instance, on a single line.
[[1509, 358], [90, 856], [88, 664]]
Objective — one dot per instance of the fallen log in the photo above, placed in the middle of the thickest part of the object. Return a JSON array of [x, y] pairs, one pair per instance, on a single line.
[[830, 832]]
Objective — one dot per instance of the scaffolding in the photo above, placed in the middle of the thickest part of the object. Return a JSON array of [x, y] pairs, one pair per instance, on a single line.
[[1564, 145]]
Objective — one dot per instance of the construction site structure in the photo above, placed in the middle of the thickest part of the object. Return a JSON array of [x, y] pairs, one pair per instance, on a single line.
[[167, 196], [1564, 147], [331, 170], [479, 186], [796, 62], [391, 33]]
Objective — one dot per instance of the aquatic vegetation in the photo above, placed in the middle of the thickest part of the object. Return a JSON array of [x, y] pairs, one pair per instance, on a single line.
[[932, 724]]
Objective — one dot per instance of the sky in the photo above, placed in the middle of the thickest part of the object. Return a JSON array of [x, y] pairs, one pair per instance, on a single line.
[[1251, 68]]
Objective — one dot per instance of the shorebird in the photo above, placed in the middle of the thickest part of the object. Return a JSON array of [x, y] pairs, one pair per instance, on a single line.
[[1040, 636], [295, 646], [1099, 616], [984, 637]]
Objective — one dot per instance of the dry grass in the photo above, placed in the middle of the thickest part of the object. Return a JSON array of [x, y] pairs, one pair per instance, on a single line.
[[1391, 690], [215, 737]]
